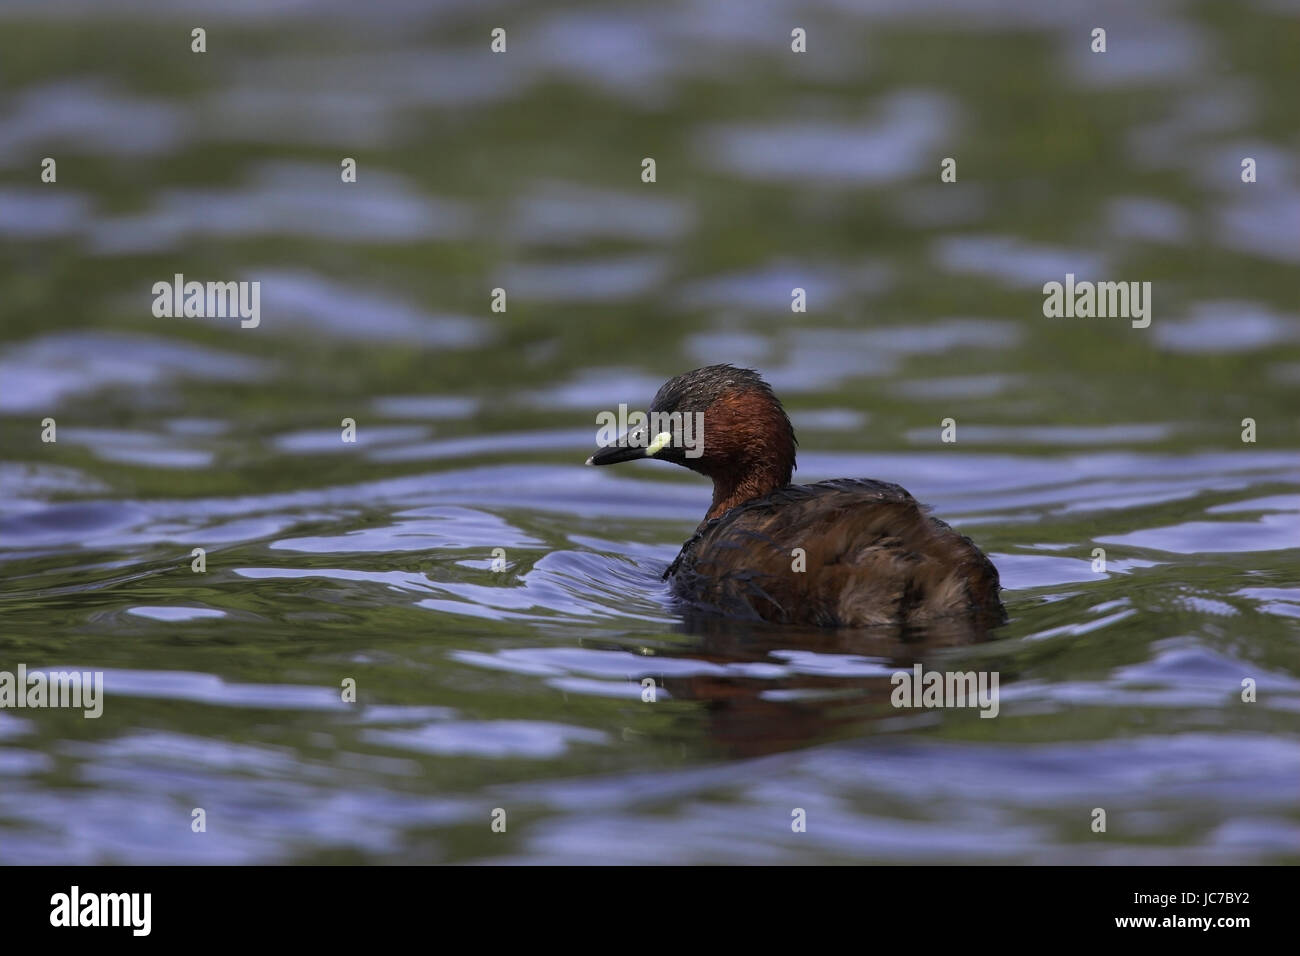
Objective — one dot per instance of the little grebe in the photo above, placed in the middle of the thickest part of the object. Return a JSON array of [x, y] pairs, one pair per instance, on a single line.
[[871, 555]]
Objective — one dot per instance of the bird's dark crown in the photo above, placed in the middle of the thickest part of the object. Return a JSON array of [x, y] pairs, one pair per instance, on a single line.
[[696, 390]]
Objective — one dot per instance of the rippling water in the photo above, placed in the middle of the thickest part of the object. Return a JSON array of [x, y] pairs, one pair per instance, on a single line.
[[520, 688]]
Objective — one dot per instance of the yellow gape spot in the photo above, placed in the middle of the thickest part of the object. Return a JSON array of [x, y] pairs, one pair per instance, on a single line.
[[660, 442]]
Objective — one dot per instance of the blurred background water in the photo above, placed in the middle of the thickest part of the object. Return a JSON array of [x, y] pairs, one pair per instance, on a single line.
[[520, 689]]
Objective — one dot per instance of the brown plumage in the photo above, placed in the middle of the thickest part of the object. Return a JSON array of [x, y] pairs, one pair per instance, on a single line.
[[843, 553]]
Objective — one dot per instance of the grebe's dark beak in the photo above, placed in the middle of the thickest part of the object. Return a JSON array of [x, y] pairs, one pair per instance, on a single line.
[[613, 454]]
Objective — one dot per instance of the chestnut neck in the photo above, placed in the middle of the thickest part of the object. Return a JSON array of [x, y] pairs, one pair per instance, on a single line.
[[750, 448], [735, 487]]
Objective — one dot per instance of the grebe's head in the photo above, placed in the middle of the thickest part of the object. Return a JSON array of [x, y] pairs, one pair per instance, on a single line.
[[720, 421]]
